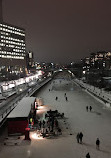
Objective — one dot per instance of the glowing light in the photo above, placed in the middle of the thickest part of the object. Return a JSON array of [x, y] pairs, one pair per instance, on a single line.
[[36, 136], [69, 71], [20, 90], [39, 111], [84, 72], [40, 107]]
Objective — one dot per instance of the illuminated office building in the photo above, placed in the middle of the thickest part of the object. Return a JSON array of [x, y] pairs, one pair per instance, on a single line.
[[12, 51], [1, 17]]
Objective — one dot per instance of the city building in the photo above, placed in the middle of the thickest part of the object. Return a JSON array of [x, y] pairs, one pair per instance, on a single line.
[[31, 68], [12, 52], [100, 60], [1, 17]]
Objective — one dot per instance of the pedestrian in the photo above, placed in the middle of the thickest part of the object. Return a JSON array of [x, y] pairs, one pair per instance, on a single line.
[[59, 131], [49, 90], [87, 155], [77, 137], [80, 137], [65, 94], [87, 108], [66, 99], [49, 128], [90, 108], [56, 98], [40, 123], [97, 143], [43, 123], [46, 130], [31, 120], [56, 123]]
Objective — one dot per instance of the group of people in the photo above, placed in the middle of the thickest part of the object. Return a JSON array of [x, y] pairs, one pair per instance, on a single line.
[[41, 124], [97, 147], [64, 96], [79, 138], [89, 108]]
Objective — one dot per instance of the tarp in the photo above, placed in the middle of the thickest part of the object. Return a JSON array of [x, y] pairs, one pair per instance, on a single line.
[[23, 108]]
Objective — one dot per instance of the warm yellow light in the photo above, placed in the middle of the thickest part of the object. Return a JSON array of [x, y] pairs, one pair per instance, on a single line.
[[36, 136], [39, 111], [40, 107]]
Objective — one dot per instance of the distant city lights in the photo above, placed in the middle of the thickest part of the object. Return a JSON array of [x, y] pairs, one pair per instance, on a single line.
[[11, 84]]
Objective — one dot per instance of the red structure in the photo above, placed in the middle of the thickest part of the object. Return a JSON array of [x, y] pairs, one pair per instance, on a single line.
[[15, 126], [18, 119], [27, 137]]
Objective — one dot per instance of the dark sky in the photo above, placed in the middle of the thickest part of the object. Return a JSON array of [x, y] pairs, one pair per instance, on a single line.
[[62, 30]]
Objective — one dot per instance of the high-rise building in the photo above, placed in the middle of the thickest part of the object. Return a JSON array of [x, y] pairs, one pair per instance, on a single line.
[[30, 62], [12, 50], [1, 18]]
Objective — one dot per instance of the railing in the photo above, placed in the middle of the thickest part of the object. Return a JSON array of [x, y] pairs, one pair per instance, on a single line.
[[100, 93], [10, 105]]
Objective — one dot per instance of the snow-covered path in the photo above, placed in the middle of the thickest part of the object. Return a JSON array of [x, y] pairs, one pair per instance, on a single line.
[[95, 124]]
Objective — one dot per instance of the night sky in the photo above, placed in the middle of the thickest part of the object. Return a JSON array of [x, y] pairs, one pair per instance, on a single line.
[[62, 30]]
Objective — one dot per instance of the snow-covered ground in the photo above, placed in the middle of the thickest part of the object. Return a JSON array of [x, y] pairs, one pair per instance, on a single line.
[[101, 93], [95, 124]]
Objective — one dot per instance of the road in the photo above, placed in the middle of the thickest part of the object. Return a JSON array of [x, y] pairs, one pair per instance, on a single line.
[[93, 125]]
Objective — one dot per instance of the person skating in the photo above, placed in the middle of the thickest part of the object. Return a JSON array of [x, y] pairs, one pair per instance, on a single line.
[[97, 143], [77, 137], [90, 108], [80, 137], [87, 108], [66, 99], [56, 123], [87, 155], [40, 123], [43, 123]]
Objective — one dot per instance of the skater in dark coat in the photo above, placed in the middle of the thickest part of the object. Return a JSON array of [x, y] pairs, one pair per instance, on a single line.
[[43, 123], [87, 155], [40, 123], [90, 108], [56, 123], [56, 98], [80, 137], [97, 143], [87, 108], [66, 99], [77, 137]]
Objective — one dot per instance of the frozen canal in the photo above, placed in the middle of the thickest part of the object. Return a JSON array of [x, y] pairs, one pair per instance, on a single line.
[[93, 125]]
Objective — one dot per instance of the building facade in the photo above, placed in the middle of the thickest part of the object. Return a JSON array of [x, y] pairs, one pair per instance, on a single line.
[[12, 52], [30, 62], [1, 17]]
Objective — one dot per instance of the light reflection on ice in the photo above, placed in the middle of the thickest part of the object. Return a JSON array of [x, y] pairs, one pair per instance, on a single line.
[[36, 136]]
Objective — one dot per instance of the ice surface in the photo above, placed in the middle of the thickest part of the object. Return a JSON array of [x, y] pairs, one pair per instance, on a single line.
[[95, 124]]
